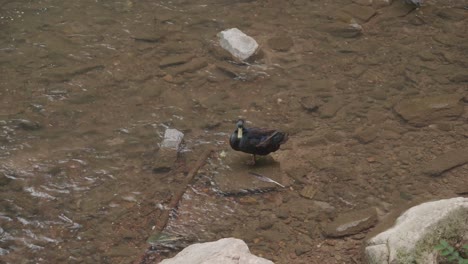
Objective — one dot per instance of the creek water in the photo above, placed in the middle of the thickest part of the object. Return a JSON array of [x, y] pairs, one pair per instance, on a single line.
[[85, 99]]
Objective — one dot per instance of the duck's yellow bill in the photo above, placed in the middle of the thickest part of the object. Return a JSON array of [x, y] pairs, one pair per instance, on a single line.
[[239, 132]]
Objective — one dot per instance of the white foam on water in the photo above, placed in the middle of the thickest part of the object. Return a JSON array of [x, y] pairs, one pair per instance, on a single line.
[[35, 193], [54, 190], [48, 239]]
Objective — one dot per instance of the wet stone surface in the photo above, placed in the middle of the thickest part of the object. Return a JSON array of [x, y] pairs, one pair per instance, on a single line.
[[351, 223]]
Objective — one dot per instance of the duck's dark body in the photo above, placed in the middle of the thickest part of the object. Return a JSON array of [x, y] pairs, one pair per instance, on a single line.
[[256, 141]]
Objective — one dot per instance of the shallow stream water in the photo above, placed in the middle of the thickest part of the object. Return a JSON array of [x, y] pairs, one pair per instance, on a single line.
[[85, 101]]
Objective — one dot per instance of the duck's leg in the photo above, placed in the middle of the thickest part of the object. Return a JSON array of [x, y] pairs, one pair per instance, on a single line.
[[253, 161]]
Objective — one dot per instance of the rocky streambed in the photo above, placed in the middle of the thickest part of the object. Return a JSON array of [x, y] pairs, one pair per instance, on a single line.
[[373, 94]]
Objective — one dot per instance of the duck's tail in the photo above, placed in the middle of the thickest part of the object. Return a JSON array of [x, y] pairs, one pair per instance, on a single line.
[[281, 138], [277, 138]]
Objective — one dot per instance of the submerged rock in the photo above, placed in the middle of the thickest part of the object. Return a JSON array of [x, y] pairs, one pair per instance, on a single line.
[[425, 110], [191, 66], [366, 134], [27, 124], [446, 162], [168, 150], [343, 30], [225, 250], [308, 192], [453, 14], [237, 43], [417, 231], [351, 223], [175, 60]]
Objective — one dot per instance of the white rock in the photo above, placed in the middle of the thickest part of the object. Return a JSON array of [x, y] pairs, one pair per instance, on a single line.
[[237, 43], [172, 139], [225, 251], [418, 230]]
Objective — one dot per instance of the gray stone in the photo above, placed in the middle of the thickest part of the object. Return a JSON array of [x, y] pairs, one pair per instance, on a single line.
[[172, 139], [168, 150], [351, 223], [417, 231], [237, 43], [446, 162], [425, 110], [226, 251]]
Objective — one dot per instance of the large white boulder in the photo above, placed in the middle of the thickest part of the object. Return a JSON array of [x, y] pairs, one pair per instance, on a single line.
[[418, 230], [225, 251], [237, 43]]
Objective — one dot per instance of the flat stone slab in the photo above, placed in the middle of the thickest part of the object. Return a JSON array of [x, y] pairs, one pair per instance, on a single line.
[[225, 251], [235, 177], [426, 110], [175, 60], [351, 223], [417, 231], [446, 162]]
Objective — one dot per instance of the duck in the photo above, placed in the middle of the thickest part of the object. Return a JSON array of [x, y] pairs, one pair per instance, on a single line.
[[256, 141]]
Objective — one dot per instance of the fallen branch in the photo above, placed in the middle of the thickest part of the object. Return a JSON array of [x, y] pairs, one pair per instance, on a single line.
[[161, 224], [164, 218]]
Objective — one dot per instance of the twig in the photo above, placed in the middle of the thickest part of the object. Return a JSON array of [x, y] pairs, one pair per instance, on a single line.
[[161, 224], [164, 217]]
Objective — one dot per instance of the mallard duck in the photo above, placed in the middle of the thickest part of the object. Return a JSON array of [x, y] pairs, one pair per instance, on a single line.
[[256, 141]]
